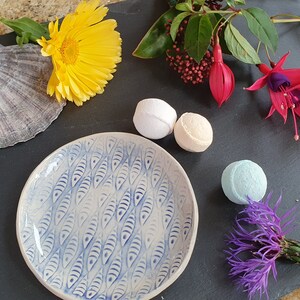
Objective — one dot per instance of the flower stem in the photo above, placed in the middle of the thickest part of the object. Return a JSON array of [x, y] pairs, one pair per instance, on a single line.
[[221, 12], [291, 250], [285, 20]]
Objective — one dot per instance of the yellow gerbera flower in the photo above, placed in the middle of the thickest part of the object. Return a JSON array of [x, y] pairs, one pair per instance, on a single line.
[[84, 50]]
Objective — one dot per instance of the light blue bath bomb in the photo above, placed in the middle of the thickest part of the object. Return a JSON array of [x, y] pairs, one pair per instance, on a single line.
[[244, 178]]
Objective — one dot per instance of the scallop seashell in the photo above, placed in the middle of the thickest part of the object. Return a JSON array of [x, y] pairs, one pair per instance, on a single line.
[[25, 107]]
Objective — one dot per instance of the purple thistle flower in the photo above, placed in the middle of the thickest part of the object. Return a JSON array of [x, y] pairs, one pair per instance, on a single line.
[[253, 249]]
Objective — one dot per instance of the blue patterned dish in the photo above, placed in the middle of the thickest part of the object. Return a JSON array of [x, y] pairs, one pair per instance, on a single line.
[[109, 216]]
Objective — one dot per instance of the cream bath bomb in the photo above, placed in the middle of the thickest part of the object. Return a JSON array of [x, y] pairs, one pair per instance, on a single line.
[[154, 118], [193, 132], [244, 178]]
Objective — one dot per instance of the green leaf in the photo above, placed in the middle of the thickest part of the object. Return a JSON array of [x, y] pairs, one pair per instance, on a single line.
[[184, 7], [215, 21], [233, 3], [214, 18], [172, 3], [27, 25], [176, 23], [239, 46], [156, 41], [197, 36], [199, 2], [261, 26], [23, 39]]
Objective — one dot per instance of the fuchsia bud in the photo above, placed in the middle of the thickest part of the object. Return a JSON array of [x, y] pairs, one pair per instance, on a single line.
[[221, 78]]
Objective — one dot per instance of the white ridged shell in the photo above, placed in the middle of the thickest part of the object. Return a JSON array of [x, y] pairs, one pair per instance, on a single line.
[[25, 107]]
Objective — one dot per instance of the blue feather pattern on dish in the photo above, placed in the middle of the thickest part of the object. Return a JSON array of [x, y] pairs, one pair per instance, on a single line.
[[120, 289], [95, 285], [60, 186], [81, 287], [79, 171], [70, 251], [63, 208], [94, 254], [123, 205], [111, 221]]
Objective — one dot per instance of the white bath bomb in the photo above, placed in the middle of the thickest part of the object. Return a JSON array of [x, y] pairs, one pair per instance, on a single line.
[[154, 118], [242, 179], [193, 132]]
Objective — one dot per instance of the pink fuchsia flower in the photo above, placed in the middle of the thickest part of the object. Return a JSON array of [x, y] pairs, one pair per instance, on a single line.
[[257, 241], [221, 78], [284, 89]]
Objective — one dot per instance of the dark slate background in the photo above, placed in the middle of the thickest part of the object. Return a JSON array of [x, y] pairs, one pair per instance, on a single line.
[[240, 132]]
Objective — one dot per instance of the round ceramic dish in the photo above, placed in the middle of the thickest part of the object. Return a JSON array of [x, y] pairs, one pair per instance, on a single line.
[[108, 216]]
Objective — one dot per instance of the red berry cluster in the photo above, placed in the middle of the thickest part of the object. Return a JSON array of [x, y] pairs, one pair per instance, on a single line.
[[188, 69]]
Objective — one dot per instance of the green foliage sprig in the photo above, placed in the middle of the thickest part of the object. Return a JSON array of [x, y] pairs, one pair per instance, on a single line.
[[204, 23], [26, 29]]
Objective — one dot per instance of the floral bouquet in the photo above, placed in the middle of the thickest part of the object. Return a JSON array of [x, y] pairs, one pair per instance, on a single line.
[[194, 35]]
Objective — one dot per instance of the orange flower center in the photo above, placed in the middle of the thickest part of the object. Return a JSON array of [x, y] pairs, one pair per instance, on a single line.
[[69, 51]]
